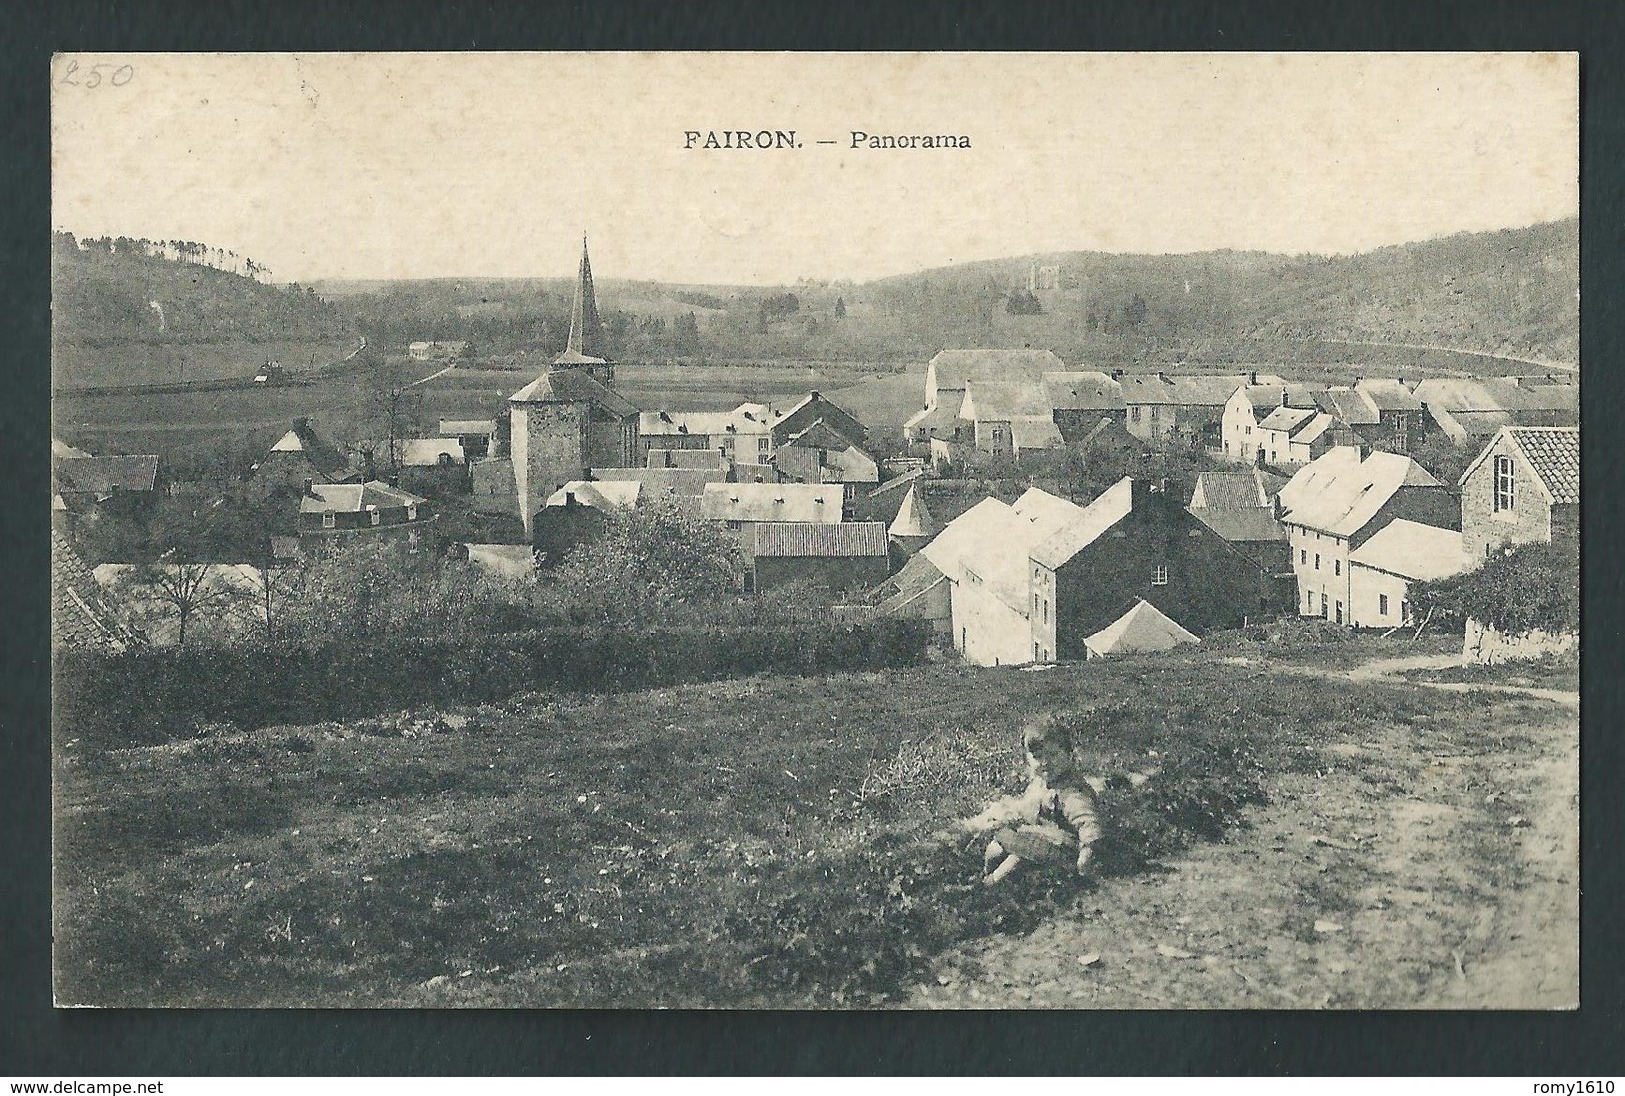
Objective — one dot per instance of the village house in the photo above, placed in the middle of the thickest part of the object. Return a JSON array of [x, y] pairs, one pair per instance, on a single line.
[[1246, 409], [692, 460], [341, 512], [432, 350], [569, 419], [560, 527], [985, 555], [1524, 488], [1080, 400], [607, 495], [834, 556], [1335, 504], [743, 436], [818, 453], [476, 436], [1136, 542], [87, 484], [883, 502], [491, 487], [1144, 629], [1240, 508], [1290, 437], [1006, 418], [815, 407], [269, 373], [948, 373], [1382, 570], [300, 456], [1400, 424], [740, 507], [1187, 409]]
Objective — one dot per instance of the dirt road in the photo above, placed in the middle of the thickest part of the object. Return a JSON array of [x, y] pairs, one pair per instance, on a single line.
[[1432, 866]]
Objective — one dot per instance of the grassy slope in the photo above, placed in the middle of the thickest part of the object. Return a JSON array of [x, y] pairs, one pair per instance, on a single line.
[[758, 842]]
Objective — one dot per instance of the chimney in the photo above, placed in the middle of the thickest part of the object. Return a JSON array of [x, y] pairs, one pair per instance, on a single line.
[[1117, 374], [1284, 396], [1252, 376], [569, 499], [310, 487], [1163, 377]]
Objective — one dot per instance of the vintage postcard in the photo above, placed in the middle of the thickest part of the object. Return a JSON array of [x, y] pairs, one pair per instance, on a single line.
[[919, 531]]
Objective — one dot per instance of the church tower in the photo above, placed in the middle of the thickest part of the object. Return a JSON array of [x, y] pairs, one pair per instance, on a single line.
[[586, 348], [568, 420]]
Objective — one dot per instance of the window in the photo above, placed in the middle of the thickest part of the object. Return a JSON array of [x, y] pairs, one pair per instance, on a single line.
[[1400, 427], [1035, 653], [1134, 413], [763, 443], [1382, 604], [1337, 566], [1046, 610], [1506, 478], [1309, 601], [1317, 561], [1323, 611], [329, 520], [1159, 575], [1303, 555]]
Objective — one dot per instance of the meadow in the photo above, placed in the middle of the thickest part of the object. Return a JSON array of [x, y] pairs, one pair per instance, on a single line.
[[791, 842]]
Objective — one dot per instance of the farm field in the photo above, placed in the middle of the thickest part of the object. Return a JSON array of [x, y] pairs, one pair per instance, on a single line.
[[791, 842], [128, 363]]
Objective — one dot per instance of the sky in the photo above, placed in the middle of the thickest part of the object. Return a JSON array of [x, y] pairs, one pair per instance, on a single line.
[[328, 166]]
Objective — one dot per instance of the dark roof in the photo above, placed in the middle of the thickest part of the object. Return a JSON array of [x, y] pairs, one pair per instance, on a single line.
[[80, 615], [574, 386], [1183, 391], [830, 539], [1236, 490], [663, 482], [104, 475], [1554, 455], [1241, 524], [815, 406]]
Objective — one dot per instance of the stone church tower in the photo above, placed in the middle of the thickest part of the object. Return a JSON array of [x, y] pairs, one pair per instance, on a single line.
[[568, 420]]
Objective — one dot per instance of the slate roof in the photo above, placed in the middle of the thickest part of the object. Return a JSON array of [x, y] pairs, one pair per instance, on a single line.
[[1412, 550], [1241, 525], [104, 475], [689, 460], [355, 497], [1552, 454], [1004, 400], [666, 482], [918, 576], [992, 542], [1346, 501], [1185, 391], [303, 442], [574, 386], [426, 452], [80, 615], [817, 405], [1287, 419], [953, 368], [1142, 629], [745, 419], [1468, 394], [1387, 394], [1085, 527], [771, 502], [800, 539], [1235, 490], [913, 518], [819, 435], [1263, 397], [602, 495], [1351, 405], [1083, 390]]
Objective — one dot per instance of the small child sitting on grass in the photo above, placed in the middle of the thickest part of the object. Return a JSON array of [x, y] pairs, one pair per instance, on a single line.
[[1054, 821]]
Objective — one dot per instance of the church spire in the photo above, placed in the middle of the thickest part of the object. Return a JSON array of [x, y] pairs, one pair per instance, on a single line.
[[586, 330]]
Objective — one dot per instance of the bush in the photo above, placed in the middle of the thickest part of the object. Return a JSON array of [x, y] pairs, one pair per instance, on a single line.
[[1530, 587], [146, 696]]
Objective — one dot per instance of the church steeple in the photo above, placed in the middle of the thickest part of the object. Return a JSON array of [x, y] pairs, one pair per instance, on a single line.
[[586, 329]]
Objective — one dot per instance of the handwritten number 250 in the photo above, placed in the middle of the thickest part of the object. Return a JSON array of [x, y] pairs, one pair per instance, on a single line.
[[122, 74]]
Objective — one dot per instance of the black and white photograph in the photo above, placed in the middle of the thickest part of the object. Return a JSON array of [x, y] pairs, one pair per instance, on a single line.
[[815, 530]]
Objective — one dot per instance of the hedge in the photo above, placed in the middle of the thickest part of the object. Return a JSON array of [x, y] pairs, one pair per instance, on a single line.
[[155, 695]]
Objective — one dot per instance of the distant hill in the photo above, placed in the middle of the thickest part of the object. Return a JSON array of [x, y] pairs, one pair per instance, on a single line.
[[112, 292], [1509, 292], [1513, 292]]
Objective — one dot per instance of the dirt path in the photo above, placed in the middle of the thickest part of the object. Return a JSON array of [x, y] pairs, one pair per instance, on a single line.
[[1433, 866]]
